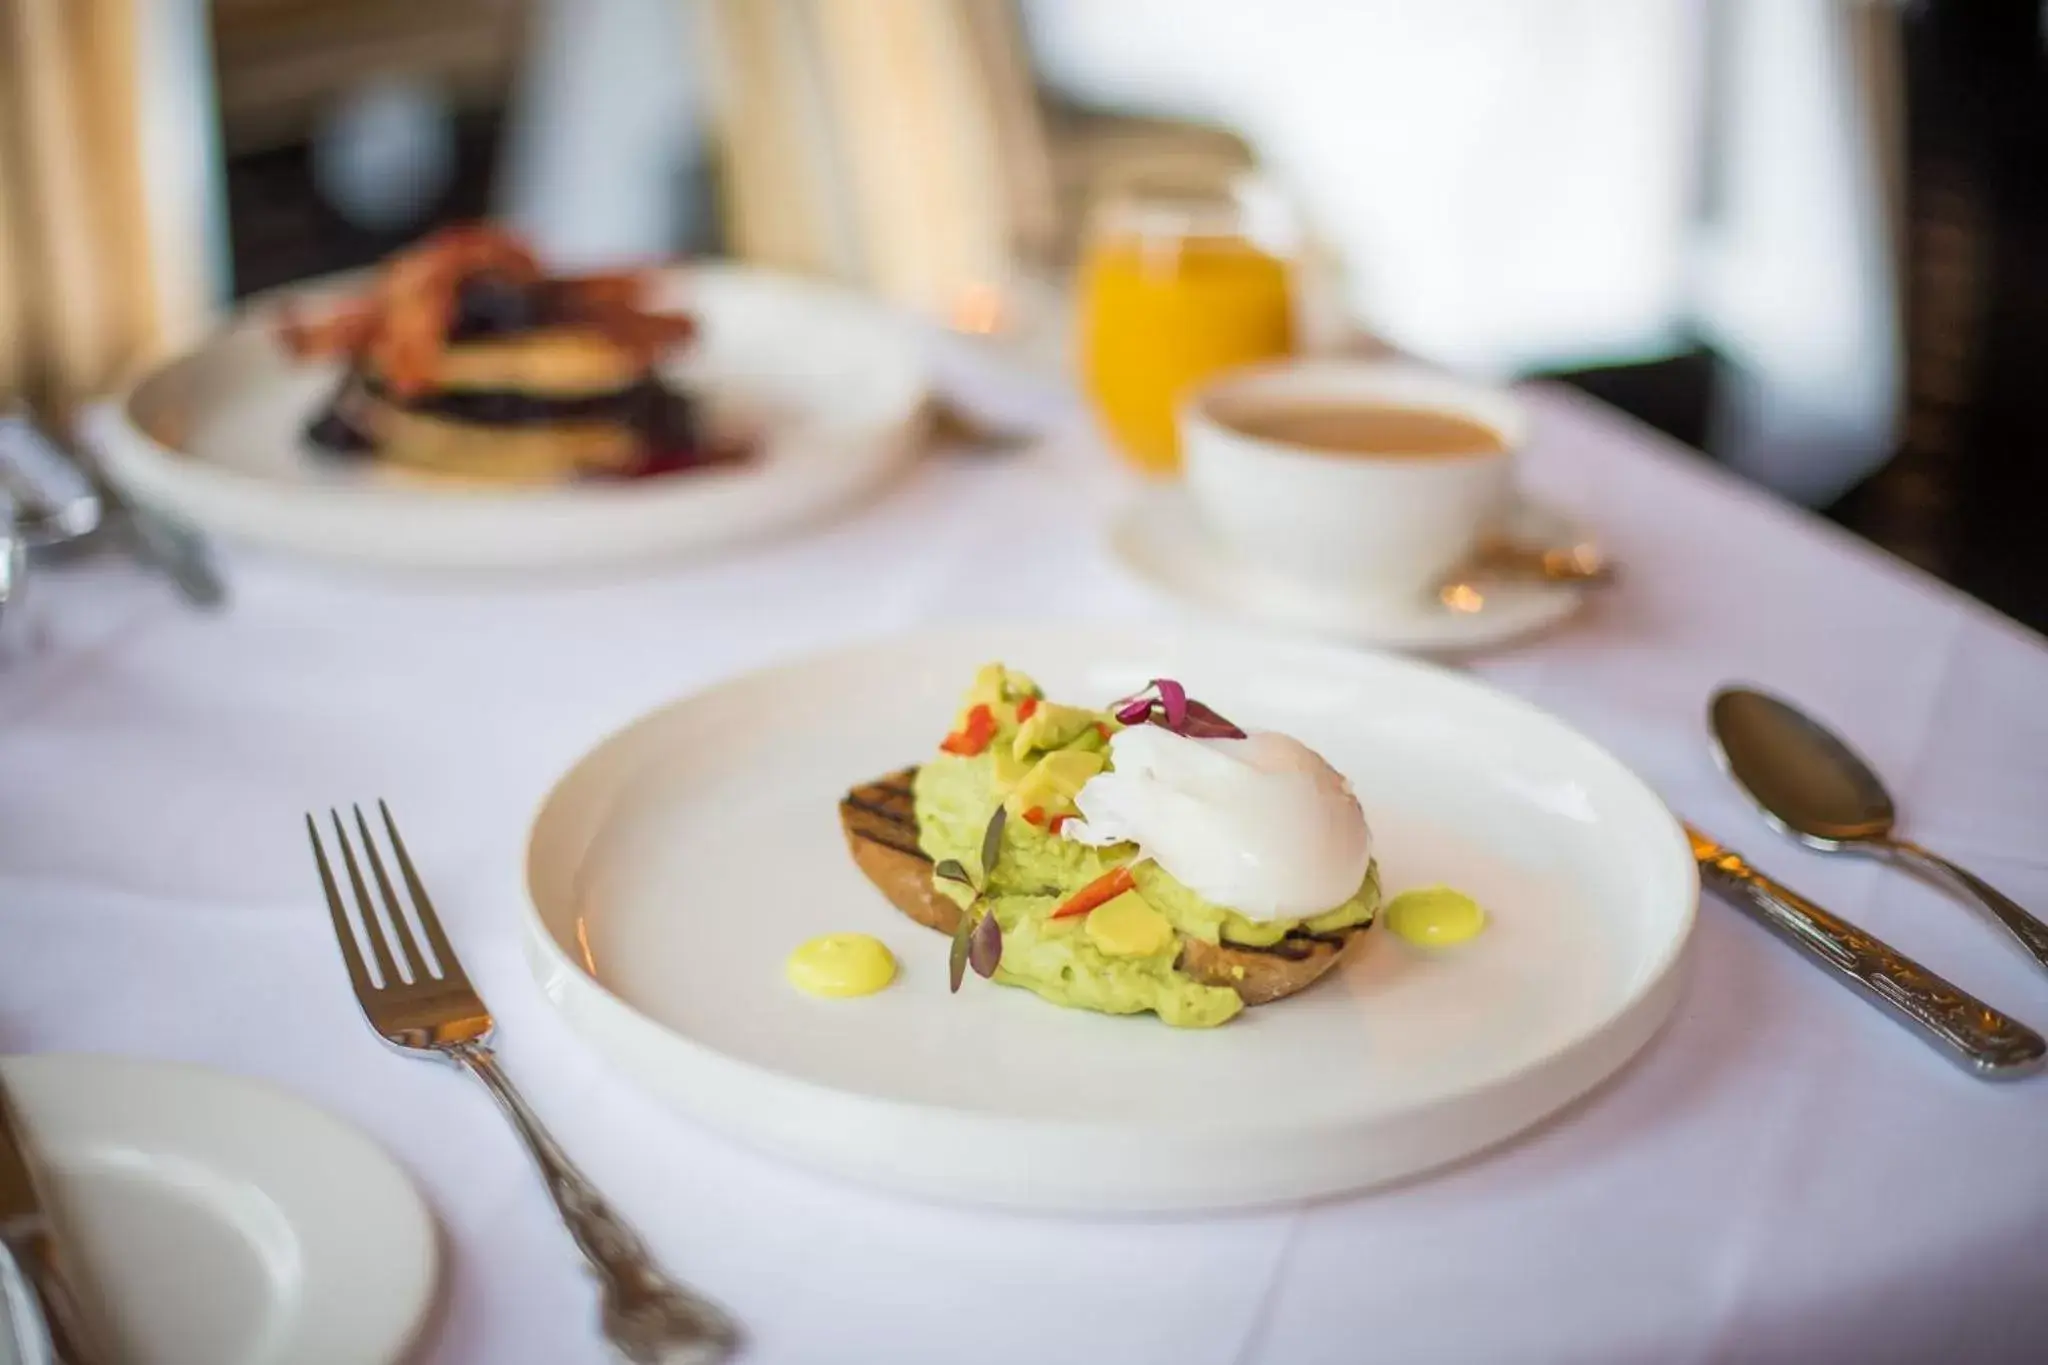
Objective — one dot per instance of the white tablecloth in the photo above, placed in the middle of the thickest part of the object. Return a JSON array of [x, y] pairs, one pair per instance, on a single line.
[[1784, 1175]]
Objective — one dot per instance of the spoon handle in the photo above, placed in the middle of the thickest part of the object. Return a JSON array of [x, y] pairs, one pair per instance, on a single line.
[[2032, 934]]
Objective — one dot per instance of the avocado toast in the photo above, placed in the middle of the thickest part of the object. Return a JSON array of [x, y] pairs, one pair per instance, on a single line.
[[1086, 925]]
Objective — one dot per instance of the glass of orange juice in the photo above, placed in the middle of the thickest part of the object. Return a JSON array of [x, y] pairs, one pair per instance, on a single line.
[[1175, 286]]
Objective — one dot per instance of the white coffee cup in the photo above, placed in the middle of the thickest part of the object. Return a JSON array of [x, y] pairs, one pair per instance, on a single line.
[[1372, 525]]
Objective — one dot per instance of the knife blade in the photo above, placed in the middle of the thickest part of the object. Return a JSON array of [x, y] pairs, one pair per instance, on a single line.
[[1989, 1043], [176, 550], [155, 538], [30, 1241]]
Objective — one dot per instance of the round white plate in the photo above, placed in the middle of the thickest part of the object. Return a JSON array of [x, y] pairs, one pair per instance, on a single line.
[[675, 867], [837, 383], [1160, 537], [215, 1221]]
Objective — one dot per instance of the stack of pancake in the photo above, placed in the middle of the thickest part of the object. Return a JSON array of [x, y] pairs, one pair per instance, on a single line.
[[466, 362]]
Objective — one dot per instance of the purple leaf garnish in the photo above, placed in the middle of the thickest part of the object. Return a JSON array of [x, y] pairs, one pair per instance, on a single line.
[[956, 968], [985, 945], [1203, 723], [992, 843], [1174, 698], [976, 941], [1166, 703]]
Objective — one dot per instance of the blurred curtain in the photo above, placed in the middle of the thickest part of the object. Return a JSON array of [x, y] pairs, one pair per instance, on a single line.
[[603, 126], [895, 144], [1799, 279], [99, 265]]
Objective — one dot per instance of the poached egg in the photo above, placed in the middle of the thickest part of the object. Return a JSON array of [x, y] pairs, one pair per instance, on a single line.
[[1260, 824]]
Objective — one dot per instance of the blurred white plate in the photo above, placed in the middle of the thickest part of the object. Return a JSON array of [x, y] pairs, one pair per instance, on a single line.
[[675, 867], [220, 1222], [837, 383], [1160, 537]]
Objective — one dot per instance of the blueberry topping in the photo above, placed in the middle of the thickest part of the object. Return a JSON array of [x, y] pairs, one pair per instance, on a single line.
[[333, 432], [493, 305]]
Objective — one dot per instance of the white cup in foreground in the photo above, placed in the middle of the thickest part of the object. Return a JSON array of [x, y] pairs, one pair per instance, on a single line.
[[1355, 476]]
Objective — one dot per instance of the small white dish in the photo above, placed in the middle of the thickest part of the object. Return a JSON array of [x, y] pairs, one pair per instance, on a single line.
[[674, 868], [215, 1221], [836, 384], [1161, 537]]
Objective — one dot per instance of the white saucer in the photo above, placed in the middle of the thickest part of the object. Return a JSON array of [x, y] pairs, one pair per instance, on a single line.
[[1160, 537], [220, 1222], [673, 870]]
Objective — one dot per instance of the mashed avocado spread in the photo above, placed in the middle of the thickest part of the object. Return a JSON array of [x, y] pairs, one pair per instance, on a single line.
[[1011, 747]]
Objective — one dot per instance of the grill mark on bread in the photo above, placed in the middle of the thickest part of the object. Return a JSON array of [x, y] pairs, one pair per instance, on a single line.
[[1298, 945], [891, 845], [879, 825], [882, 813], [887, 811]]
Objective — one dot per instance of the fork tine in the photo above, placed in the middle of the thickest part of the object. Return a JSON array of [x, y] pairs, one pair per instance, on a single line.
[[344, 934], [407, 949], [430, 923], [372, 930]]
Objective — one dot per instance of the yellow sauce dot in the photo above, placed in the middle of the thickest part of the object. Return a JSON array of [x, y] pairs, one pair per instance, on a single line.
[[1434, 917], [1126, 926], [840, 965]]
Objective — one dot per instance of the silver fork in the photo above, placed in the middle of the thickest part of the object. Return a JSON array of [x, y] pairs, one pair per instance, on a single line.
[[429, 1009]]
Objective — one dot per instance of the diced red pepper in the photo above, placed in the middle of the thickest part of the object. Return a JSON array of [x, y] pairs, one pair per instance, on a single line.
[[973, 737], [1035, 816], [1101, 891], [1025, 708], [1102, 730], [1059, 822]]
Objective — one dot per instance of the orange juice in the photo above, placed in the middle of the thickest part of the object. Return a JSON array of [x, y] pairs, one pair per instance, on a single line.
[[1162, 313]]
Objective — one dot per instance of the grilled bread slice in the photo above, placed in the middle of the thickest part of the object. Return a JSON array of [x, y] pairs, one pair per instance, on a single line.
[[881, 832]]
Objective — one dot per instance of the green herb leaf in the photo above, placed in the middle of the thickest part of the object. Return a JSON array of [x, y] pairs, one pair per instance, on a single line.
[[951, 870], [992, 843], [962, 932]]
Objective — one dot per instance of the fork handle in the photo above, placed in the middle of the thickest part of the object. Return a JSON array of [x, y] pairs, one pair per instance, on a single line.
[[648, 1317]]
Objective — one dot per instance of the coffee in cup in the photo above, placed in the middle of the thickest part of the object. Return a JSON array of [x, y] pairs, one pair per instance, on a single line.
[[1361, 477]]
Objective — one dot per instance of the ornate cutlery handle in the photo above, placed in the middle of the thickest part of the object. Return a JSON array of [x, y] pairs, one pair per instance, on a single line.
[[1991, 1044], [650, 1318], [2032, 934]]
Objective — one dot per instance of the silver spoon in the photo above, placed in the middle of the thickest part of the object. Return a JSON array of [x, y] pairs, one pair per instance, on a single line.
[[1463, 588], [1812, 786]]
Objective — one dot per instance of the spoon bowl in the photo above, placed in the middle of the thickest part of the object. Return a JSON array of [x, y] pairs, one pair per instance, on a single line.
[[1810, 784], [1806, 781]]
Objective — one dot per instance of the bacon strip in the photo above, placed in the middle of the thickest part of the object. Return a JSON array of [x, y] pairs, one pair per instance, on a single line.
[[401, 324]]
